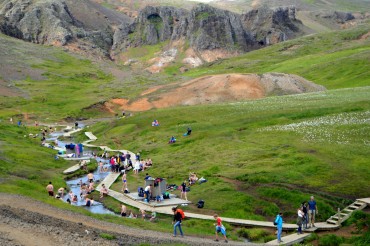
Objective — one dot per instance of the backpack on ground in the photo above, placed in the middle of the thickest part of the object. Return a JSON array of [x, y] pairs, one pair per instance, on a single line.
[[200, 204], [140, 191], [180, 211], [166, 195]]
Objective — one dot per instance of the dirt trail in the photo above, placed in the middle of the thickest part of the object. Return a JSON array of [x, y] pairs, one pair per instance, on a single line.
[[24, 221]]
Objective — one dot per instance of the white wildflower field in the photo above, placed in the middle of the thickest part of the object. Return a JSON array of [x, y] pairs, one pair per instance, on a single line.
[[344, 128], [339, 128]]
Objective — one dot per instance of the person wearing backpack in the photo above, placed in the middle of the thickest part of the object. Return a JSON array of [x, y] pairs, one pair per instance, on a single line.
[[279, 224], [177, 218]]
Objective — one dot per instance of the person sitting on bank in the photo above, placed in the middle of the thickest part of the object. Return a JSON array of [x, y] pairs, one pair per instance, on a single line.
[[188, 132], [172, 140], [193, 178], [155, 123], [123, 211], [103, 191]]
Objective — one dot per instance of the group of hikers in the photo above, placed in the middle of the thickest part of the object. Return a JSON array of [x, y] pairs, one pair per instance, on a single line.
[[122, 162], [306, 214], [179, 216]]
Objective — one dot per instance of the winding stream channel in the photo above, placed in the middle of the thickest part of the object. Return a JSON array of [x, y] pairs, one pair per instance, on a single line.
[[74, 184]]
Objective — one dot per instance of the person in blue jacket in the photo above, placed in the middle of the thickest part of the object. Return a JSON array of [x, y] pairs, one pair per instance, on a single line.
[[279, 224]]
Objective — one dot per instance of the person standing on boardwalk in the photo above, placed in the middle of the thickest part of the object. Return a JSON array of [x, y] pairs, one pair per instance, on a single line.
[[305, 218], [279, 224], [219, 227], [300, 220], [183, 190], [177, 218], [50, 189], [312, 211], [148, 192]]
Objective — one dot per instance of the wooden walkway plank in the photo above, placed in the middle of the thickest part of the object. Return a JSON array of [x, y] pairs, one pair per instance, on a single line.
[[290, 239], [68, 134], [91, 136], [365, 200], [108, 181], [47, 145], [72, 169]]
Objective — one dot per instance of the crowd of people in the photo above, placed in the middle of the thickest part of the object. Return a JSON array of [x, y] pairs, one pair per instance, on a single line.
[[121, 163]]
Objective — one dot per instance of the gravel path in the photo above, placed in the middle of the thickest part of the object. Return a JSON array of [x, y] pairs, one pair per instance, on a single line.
[[24, 221]]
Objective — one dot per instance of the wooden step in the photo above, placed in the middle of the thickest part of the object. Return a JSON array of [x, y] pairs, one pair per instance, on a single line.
[[346, 211], [359, 203], [332, 221], [353, 206], [335, 217]]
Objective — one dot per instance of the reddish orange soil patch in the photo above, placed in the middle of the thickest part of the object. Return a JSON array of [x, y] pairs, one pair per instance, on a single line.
[[211, 89], [217, 89]]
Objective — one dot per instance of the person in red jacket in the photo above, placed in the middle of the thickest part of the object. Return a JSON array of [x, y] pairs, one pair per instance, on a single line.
[[219, 227]]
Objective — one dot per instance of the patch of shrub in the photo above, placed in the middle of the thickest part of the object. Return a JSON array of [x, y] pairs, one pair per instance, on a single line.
[[254, 234], [311, 238], [361, 240], [330, 240], [360, 219], [268, 238], [107, 236]]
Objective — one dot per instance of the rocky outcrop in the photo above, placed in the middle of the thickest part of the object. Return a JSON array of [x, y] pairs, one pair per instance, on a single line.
[[336, 16], [86, 25], [208, 28], [54, 22], [271, 26], [45, 22]]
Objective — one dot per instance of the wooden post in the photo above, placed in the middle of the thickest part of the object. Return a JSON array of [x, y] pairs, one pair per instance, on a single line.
[[339, 219]]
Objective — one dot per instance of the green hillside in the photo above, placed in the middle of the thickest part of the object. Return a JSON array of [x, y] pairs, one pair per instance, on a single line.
[[267, 154], [259, 157], [337, 59]]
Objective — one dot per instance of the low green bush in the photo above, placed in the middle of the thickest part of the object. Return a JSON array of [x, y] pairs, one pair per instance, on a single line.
[[311, 238], [330, 240], [107, 236], [253, 234]]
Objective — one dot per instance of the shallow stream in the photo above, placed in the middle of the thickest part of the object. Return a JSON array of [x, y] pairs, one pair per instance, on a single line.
[[74, 184]]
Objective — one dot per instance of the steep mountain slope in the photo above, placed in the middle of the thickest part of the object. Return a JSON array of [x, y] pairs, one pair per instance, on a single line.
[[81, 26], [195, 35]]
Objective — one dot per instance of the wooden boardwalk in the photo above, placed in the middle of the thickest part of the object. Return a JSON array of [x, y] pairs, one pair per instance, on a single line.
[[290, 239], [111, 177], [68, 134]]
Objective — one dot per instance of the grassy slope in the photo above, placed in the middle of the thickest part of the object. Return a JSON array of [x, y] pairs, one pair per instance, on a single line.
[[336, 59], [26, 168], [248, 163]]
